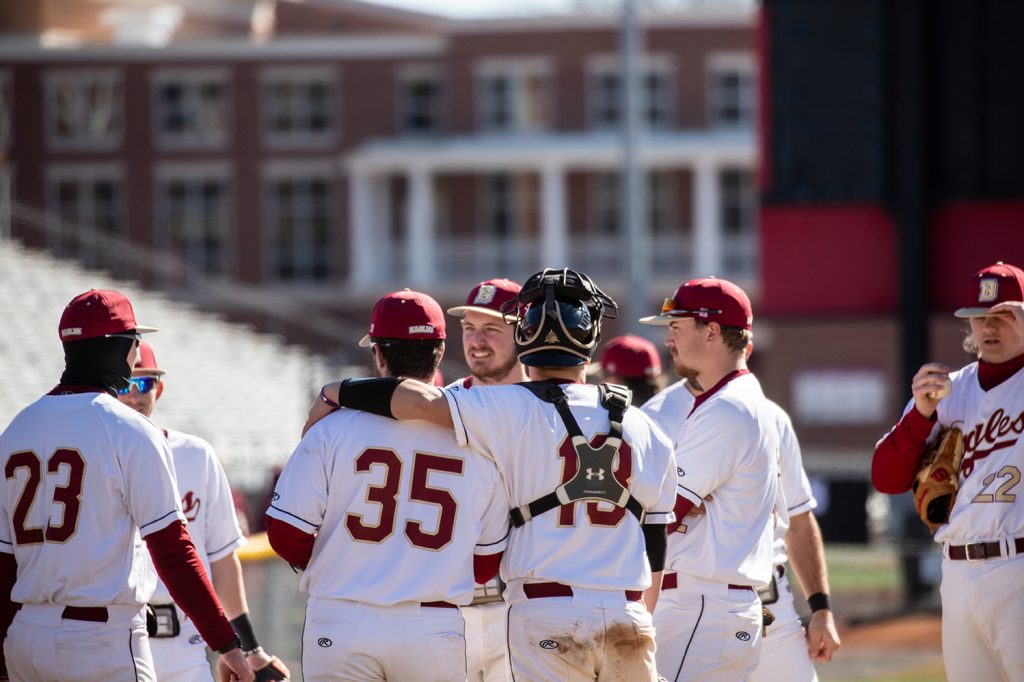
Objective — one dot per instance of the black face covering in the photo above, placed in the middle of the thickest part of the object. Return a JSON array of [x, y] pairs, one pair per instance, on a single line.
[[101, 362]]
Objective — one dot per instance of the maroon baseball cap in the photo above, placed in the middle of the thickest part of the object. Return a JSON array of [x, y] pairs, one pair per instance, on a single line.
[[146, 364], [630, 356], [487, 297], [995, 284], [405, 314], [710, 299], [97, 313]]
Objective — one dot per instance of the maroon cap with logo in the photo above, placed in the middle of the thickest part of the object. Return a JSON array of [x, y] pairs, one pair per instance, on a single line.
[[146, 364], [995, 284], [710, 299], [97, 313], [487, 297], [630, 356], [405, 314]]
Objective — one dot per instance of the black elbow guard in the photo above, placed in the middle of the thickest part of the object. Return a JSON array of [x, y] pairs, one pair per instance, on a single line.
[[656, 538], [369, 395]]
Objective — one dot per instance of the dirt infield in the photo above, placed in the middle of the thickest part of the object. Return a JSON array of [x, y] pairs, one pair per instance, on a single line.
[[906, 648]]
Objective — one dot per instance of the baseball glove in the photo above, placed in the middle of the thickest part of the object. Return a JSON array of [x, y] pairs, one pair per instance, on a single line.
[[938, 478]]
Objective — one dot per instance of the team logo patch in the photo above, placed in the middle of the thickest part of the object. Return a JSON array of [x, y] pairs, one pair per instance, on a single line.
[[485, 295], [190, 505], [324, 642], [421, 329], [195, 639], [548, 644], [743, 636], [988, 290], [71, 331]]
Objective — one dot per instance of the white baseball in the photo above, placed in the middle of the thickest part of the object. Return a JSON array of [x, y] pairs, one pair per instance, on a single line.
[[942, 391]]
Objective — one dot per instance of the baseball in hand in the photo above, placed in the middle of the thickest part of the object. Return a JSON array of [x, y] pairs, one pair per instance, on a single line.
[[942, 391]]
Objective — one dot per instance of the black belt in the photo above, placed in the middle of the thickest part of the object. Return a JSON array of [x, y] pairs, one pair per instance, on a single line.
[[979, 551], [91, 614]]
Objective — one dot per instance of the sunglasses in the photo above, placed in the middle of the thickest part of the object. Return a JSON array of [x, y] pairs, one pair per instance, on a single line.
[[668, 309], [141, 384], [124, 335]]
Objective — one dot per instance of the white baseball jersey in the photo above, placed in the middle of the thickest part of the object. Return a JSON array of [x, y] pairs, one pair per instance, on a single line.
[[398, 508], [795, 494], [586, 544], [989, 505], [726, 446], [83, 475], [205, 501]]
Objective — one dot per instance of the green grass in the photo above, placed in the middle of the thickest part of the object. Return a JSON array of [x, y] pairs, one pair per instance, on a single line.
[[857, 568]]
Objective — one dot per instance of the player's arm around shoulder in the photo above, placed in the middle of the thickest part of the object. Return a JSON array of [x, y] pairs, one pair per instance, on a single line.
[[389, 397]]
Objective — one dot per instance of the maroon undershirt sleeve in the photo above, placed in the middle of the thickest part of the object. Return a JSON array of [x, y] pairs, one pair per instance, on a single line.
[[486, 567], [682, 508], [8, 575], [894, 464], [178, 565], [290, 543]]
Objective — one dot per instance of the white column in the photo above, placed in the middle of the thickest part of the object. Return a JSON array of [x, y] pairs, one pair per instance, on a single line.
[[361, 253], [707, 230], [419, 228], [554, 237]]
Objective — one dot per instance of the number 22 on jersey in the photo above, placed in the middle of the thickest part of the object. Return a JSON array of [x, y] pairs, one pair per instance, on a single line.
[[68, 495], [386, 496]]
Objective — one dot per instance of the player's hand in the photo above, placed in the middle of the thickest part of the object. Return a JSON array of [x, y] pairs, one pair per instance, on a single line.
[[929, 379], [822, 636], [232, 666], [268, 667], [1014, 309], [319, 409]]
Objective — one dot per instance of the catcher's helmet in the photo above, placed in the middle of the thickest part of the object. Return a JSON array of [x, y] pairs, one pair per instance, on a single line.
[[562, 320]]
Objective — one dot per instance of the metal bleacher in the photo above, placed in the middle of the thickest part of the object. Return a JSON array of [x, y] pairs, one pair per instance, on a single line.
[[246, 393]]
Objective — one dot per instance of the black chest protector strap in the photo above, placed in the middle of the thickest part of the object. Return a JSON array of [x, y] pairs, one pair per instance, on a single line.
[[594, 479]]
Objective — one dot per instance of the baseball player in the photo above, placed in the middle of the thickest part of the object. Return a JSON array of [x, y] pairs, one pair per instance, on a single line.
[[591, 482], [787, 651], [391, 522], [179, 654], [709, 619], [86, 479], [488, 343], [983, 540], [632, 361]]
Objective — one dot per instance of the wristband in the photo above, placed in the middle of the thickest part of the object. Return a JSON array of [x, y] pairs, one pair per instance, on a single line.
[[818, 602], [369, 395], [327, 401], [246, 633], [230, 646]]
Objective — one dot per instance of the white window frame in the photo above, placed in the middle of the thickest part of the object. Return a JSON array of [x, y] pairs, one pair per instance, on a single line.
[[410, 73], [520, 204], [76, 78], [611, 65], [297, 170], [87, 173], [194, 172], [517, 70], [191, 79], [306, 75], [746, 197], [720, 63], [604, 195]]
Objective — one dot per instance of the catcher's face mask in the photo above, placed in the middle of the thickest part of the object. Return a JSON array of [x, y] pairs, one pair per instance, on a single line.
[[562, 322]]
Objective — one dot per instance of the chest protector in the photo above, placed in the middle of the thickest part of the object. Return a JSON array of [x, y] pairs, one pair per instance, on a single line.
[[594, 480]]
